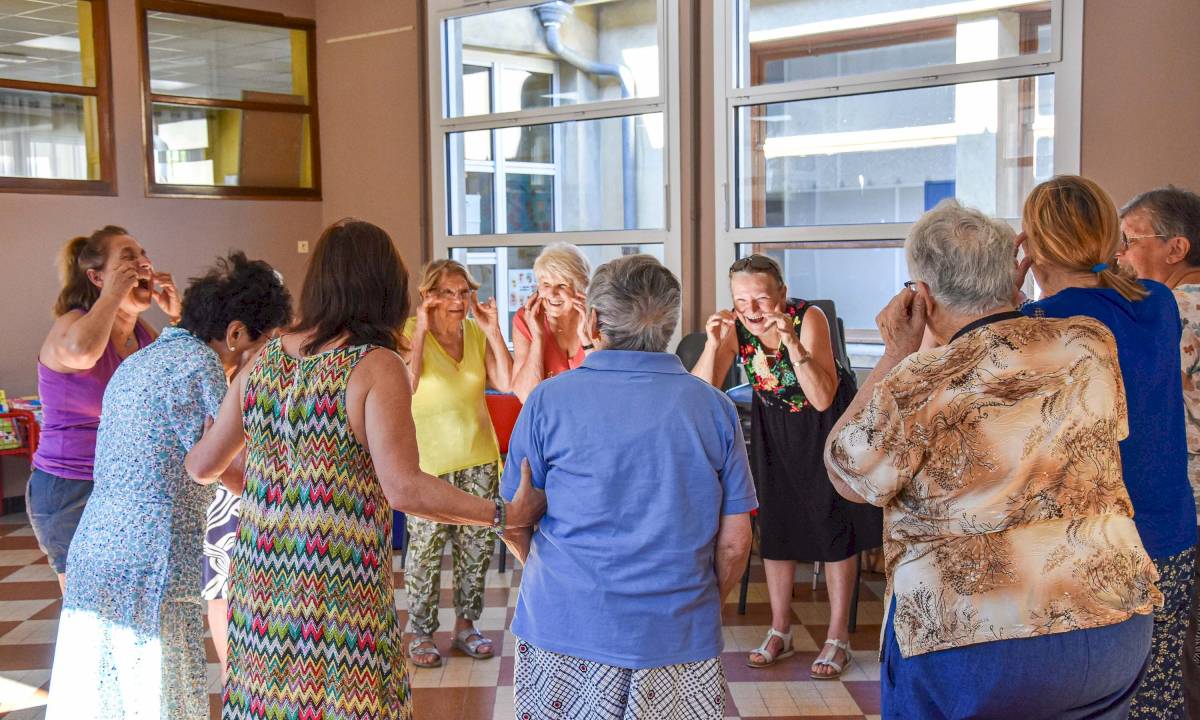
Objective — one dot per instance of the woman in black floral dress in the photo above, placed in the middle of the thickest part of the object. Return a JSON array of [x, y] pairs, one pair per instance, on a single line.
[[785, 349]]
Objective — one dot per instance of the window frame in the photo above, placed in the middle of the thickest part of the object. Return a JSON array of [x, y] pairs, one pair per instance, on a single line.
[[150, 98], [1064, 62], [106, 184], [440, 127]]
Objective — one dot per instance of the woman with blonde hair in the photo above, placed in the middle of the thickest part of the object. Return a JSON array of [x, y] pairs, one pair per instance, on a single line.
[[1071, 237], [108, 281], [452, 359], [550, 336]]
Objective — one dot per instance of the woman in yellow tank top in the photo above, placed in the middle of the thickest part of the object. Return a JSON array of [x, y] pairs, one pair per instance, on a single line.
[[452, 359]]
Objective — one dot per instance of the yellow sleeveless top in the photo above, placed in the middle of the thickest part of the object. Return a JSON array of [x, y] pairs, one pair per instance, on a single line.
[[454, 430]]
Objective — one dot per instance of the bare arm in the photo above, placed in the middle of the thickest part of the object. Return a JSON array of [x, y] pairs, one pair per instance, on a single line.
[[386, 427], [414, 358], [733, 548], [527, 369], [498, 360], [234, 477], [818, 377], [518, 540], [78, 339], [720, 348], [214, 454]]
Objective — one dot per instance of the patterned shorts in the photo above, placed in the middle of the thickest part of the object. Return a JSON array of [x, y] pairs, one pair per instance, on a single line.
[[550, 686], [1160, 696]]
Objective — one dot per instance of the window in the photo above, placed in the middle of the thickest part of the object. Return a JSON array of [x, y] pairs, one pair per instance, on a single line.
[[552, 121], [231, 107], [843, 122], [55, 89]]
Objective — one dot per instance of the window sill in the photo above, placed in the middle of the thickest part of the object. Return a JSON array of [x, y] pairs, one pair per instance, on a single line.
[[213, 192], [44, 186]]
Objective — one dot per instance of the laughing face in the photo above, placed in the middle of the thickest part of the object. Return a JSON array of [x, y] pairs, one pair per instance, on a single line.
[[556, 295], [454, 294], [755, 295], [122, 249]]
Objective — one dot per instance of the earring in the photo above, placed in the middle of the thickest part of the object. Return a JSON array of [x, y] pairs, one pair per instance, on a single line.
[[232, 349]]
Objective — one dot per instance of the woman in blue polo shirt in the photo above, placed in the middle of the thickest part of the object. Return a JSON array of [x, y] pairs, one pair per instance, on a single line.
[[647, 525], [1072, 234]]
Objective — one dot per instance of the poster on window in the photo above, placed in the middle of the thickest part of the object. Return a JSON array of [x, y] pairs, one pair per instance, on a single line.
[[521, 284]]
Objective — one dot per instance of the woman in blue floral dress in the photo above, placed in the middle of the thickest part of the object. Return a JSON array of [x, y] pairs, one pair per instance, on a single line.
[[131, 635]]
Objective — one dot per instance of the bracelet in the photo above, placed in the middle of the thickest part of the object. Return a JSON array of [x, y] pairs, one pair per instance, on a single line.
[[805, 358], [499, 517], [587, 347]]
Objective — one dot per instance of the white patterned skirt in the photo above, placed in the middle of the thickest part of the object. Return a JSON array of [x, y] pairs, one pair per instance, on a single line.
[[220, 535], [550, 686]]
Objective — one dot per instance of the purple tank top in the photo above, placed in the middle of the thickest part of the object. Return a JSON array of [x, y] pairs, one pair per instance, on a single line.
[[71, 404]]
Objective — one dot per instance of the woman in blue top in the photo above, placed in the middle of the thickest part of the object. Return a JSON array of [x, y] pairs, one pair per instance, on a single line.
[[647, 527], [131, 636], [1072, 235]]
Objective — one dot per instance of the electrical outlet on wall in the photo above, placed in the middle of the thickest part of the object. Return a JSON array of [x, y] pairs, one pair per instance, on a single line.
[[302, 247]]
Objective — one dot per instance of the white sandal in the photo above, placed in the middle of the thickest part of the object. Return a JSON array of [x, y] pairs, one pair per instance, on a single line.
[[838, 668], [768, 658]]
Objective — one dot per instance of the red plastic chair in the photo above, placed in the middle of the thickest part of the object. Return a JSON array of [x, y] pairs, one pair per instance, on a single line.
[[503, 410]]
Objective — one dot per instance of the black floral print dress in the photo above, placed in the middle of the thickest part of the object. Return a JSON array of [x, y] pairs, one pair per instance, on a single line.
[[800, 516]]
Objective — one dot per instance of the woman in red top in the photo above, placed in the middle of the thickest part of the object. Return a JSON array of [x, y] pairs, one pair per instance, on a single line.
[[556, 340]]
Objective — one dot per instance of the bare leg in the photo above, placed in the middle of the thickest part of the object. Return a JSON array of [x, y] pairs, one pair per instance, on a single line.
[[218, 625], [839, 578], [781, 576]]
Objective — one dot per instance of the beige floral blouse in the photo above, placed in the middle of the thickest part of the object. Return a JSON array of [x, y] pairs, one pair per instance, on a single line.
[[1188, 297], [995, 459]]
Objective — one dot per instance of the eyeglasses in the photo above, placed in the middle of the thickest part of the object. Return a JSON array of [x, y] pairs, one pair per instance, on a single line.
[[757, 263], [1127, 241]]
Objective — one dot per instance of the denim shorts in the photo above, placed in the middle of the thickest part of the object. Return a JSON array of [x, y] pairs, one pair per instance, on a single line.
[[55, 506]]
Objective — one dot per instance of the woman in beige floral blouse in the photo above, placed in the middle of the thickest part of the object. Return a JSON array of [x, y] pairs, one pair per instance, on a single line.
[[1017, 583]]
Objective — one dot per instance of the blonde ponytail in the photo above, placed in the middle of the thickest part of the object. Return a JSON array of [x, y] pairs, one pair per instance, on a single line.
[[80, 255]]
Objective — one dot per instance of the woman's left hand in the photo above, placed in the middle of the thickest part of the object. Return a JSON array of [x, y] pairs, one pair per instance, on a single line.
[[579, 302], [902, 324], [166, 296], [485, 314], [786, 326]]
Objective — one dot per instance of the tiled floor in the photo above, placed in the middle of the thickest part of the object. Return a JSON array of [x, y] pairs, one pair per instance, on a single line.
[[465, 689]]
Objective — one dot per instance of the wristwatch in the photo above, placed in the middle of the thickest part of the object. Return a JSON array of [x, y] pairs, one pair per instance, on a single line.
[[498, 518]]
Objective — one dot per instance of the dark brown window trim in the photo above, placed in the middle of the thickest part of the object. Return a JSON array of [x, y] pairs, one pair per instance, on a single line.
[[102, 91], [156, 189]]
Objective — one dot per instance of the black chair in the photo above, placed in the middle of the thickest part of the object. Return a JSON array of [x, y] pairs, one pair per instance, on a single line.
[[689, 350]]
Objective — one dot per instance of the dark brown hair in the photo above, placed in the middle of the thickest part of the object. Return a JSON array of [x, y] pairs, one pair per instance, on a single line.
[[83, 253], [356, 285]]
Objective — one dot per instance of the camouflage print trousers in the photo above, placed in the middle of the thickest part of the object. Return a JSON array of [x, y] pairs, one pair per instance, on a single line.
[[471, 551]]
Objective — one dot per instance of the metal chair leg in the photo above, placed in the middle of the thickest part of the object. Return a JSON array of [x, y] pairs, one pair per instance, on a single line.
[[741, 608], [503, 555], [816, 573], [854, 595]]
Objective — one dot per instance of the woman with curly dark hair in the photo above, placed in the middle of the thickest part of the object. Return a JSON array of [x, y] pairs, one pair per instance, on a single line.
[[131, 636]]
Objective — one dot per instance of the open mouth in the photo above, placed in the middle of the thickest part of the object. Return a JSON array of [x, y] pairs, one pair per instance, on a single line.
[[143, 284], [754, 320], [555, 303]]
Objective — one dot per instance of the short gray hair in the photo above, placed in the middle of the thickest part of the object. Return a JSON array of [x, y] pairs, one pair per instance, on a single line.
[[1172, 212], [964, 256], [637, 301]]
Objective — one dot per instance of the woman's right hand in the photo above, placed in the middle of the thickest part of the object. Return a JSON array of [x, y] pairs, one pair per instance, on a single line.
[[719, 325], [528, 505], [533, 315], [120, 279], [424, 310], [1022, 265]]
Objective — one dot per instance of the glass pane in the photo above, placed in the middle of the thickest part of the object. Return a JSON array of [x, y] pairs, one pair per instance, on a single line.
[[218, 146], [789, 40], [506, 273], [478, 208], [202, 57], [859, 277], [47, 42], [45, 135], [614, 46], [598, 175], [477, 89], [477, 145], [888, 157]]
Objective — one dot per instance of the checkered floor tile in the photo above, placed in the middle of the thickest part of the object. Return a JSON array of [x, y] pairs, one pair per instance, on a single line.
[[466, 689]]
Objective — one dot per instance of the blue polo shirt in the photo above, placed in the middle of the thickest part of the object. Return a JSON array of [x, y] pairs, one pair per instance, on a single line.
[[639, 461], [1154, 456]]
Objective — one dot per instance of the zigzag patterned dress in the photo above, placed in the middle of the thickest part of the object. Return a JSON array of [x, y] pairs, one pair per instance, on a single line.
[[313, 632]]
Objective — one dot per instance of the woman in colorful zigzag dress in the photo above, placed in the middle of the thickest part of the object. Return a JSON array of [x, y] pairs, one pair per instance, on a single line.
[[324, 415]]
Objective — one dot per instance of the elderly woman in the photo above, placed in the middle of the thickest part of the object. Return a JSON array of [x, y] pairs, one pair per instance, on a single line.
[[550, 337], [1011, 551], [452, 359], [131, 637], [784, 346], [647, 525], [1160, 240], [1072, 233], [324, 414], [108, 281]]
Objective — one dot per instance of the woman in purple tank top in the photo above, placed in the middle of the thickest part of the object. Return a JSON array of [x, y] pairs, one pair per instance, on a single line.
[[108, 282]]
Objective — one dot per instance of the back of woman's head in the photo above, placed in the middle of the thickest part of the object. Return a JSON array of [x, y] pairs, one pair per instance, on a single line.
[[1071, 223], [81, 254], [236, 288], [356, 285], [637, 300]]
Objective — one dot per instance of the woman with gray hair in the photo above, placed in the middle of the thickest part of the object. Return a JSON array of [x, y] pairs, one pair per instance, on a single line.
[[647, 525], [1011, 548]]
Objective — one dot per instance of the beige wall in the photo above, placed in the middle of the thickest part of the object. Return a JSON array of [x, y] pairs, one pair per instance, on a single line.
[[181, 235], [1141, 95]]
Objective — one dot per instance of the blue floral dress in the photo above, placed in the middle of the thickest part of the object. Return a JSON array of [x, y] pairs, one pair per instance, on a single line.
[[131, 635]]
